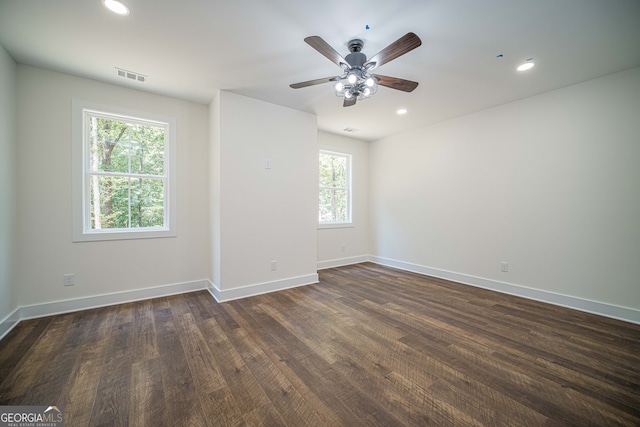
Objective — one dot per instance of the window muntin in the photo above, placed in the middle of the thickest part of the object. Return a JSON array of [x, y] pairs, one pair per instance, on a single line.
[[335, 188], [125, 174]]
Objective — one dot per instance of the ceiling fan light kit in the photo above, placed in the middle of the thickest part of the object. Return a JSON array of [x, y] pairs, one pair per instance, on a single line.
[[357, 82]]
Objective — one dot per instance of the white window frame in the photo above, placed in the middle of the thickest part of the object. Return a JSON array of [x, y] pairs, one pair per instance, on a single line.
[[349, 189], [82, 231]]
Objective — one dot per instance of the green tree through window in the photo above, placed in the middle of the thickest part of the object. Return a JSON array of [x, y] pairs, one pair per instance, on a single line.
[[126, 173], [335, 188]]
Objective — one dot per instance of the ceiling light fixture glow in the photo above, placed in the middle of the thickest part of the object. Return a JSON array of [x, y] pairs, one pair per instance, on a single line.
[[356, 83], [401, 111], [116, 6], [527, 65]]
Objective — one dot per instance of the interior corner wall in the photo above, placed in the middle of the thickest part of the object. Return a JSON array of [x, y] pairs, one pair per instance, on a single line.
[[268, 197], [348, 245], [45, 249], [549, 184], [8, 195], [214, 188]]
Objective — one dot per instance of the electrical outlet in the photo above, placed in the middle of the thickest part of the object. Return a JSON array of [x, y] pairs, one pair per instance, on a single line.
[[69, 279], [274, 265], [504, 267]]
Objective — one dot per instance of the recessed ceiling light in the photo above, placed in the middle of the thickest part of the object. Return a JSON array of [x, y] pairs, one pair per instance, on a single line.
[[116, 6], [401, 111], [527, 65]]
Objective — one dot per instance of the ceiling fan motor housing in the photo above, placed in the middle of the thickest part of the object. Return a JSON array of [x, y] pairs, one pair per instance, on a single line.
[[356, 58]]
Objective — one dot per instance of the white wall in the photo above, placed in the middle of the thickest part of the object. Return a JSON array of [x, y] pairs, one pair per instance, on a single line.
[[8, 300], [45, 249], [549, 184], [264, 214], [355, 239]]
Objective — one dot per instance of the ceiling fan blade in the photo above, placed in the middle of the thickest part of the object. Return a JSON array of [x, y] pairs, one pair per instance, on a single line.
[[404, 44], [330, 53], [349, 102], [396, 83], [313, 82]]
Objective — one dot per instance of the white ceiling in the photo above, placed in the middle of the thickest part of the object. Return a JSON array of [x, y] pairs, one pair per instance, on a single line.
[[190, 48]]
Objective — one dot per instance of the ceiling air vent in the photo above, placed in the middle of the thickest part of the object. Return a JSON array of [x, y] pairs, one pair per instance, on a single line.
[[131, 75]]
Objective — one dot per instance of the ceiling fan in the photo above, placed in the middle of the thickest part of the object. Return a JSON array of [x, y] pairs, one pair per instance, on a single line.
[[357, 82]]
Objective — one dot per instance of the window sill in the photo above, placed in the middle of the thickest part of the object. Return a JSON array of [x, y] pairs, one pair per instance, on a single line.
[[123, 235], [336, 225]]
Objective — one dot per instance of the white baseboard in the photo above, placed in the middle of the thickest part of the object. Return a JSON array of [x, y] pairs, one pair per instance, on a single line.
[[86, 303], [9, 322], [342, 261], [260, 288], [59, 307], [594, 307]]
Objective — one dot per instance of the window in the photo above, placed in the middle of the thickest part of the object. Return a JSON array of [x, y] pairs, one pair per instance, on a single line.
[[335, 188], [124, 176]]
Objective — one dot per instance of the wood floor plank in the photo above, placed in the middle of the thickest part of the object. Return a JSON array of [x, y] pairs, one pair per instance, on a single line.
[[367, 345], [26, 375], [147, 395], [81, 387], [242, 384], [504, 338], [290, 364], [76, 334], [15, 345], [316, 370], [145, 346], [112, 401], [206, 373], [180, 398], [292, 403], [222, 409], [361, 367], [414, 366], [265, 363]]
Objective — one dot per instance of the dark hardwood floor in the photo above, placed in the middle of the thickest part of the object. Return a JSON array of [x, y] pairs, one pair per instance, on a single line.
[[368, 345]]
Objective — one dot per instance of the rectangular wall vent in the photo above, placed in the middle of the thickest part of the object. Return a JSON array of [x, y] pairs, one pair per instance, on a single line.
[[131, 75]]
